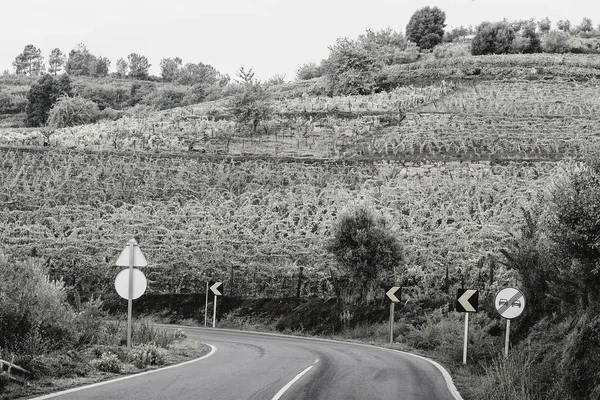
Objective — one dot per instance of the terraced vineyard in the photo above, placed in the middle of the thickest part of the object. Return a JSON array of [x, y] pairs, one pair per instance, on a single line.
[[451, 165], [196, 218]]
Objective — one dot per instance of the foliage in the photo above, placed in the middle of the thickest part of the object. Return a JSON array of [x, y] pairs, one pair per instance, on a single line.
[[528, 41], [309, 71], [42, 95], [365, 248], [72, 111], [586, 25], [198, 74], [56, 60], [456, 33], [251, 107], [82, 62], [446, 50], [138, 66], [556, 41], [146, 354], [426, 27], [29, 62], [564, 25], [493, 38], [544, 25], [108, 362], [35, 313], [169, 68], [122, 67], [354, 66]]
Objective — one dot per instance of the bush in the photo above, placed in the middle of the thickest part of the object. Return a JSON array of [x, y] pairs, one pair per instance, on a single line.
[[73, 111], [108, 362], [88, 322], [493, 38], [309, 71], [145, 332], [448, 50], [110, 114], [556, 42], [145, 355]]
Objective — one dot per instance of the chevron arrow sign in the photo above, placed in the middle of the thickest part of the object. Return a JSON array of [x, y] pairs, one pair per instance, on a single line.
[[391, 295], [467, 300], [215, 287]]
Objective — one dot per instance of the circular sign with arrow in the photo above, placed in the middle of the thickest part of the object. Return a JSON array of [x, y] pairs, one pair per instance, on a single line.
[[510, 303]]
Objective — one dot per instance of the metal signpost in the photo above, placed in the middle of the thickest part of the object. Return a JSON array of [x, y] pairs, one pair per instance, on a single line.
[[510, 303], [206, 306], [467, 301], [215, 287], [390, 294], [131, 284]]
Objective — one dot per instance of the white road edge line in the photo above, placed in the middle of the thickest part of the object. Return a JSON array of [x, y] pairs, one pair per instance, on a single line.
[[449, 383], [93, 385], [290, 383]]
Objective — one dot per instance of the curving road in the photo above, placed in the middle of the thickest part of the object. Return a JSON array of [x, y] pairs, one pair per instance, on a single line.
[[250, 365]]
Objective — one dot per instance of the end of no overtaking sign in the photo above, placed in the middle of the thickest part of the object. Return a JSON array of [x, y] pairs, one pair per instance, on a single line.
[[510, 303]]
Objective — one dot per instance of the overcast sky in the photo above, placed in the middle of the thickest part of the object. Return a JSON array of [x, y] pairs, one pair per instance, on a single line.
[[273, 37]]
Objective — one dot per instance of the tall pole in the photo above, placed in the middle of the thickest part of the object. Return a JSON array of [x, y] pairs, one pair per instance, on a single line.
[[466, 341], [206, 306], [506, 341], [215, 311], [130, 295], [392, 304]]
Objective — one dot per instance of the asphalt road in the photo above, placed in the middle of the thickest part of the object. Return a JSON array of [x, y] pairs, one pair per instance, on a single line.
[[249, 365]]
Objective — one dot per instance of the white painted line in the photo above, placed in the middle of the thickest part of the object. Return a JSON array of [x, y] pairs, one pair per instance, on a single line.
[[290, 383], [77, 389]]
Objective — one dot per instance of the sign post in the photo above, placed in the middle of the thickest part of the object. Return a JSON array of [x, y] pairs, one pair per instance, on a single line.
[[390, 293], [215, 288], [131, 256], [467, 301], [206, 306], [510, 303]]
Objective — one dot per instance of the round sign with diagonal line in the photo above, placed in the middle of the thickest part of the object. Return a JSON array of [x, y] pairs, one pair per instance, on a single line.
[[510, 303]]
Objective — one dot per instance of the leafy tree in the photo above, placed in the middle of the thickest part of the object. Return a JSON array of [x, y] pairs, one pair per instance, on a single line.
[[365, 248], [564, 25], [426, 27], [455, 33], [80, 61], [493, 38], [544, 25], [56, 60], [138, 66], [198, 74], [528, 41], [556, 42], [72, 111], [585, 26], [101, 67], [169, 68], [309, 71], [42, 95], [122, 67], [251, 106], [29, 62]]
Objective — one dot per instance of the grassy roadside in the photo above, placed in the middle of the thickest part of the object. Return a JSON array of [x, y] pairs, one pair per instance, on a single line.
[[93, 364]]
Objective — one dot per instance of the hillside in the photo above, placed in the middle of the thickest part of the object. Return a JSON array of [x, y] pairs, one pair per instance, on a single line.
[[450, 161]]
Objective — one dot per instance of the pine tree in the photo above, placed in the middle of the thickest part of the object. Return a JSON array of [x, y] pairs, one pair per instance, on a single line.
[[56, 60], [29, 62]]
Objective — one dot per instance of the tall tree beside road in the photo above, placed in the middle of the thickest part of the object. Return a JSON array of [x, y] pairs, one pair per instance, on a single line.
[[138, 66], [426, 27], [55, 61], [29, 62], [365, 248]]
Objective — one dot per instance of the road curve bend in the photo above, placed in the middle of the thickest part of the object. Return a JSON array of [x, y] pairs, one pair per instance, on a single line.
[[263, 366]]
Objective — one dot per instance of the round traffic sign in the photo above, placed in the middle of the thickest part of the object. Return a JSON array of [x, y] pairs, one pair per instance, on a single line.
[[510, 303], [122, 283]]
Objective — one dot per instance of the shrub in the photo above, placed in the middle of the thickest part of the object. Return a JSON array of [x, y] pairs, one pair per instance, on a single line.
[[73, 111], [493, 38], [556, 42], [110, 114], [145, 355], [145, 332], [108, 362], [309, 71], [88, 322], [447, 50]]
